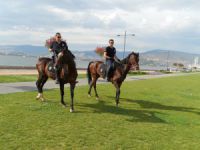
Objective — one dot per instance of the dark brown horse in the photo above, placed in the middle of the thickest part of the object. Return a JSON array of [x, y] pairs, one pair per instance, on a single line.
[[68, 74], [119, 74]]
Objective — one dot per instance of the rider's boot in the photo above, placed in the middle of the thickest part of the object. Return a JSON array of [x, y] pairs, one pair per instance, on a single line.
[[108, 76]]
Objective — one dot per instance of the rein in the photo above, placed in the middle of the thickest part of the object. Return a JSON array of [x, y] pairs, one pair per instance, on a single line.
[[125, 60]]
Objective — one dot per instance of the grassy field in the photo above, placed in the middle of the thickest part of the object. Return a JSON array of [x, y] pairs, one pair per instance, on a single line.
[[24, 78], [29, 78], [153, 114]]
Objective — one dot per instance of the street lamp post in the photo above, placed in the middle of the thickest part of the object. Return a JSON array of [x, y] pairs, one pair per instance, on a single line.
[[168, 61], [125, 35]]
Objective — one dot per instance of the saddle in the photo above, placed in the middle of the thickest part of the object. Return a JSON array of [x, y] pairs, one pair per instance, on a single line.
[[51, 67], [103, 69]]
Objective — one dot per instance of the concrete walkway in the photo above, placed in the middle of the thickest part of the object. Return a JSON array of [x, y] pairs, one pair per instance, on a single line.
[[6, 88]]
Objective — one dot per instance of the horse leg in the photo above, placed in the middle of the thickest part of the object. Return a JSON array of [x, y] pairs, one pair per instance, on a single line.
[[117, 86], [62, 93], [117, 96], [90, 88], [38, 82], [96, 94], [38, 85], [72, 86], [41, 86]]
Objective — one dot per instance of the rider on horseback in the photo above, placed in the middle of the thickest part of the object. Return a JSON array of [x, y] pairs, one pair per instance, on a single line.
[[110, 56], [57, 47]]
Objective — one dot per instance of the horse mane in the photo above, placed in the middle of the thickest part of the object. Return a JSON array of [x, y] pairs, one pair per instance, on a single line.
[[44, 58], [68, 58], [125, 60]]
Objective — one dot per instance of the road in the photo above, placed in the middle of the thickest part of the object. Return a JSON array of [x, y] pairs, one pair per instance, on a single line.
[[6, 88]]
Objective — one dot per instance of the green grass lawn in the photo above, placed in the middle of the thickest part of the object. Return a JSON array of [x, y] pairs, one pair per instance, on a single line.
[[24, 78], [17, 78], [29, 78], [161, 114]]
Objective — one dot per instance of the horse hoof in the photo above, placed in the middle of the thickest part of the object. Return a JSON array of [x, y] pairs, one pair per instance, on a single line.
[[97, 98], [89, 95], [64, 106], [42, 99], [38, 97], [71, 110]]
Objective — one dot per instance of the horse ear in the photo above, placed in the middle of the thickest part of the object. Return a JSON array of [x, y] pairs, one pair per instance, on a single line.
[[135, 53]]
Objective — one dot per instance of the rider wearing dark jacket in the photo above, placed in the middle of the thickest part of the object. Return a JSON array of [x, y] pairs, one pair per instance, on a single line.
[[56, 47]]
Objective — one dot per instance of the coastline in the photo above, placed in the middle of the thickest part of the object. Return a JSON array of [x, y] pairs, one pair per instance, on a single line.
[[22, 70]]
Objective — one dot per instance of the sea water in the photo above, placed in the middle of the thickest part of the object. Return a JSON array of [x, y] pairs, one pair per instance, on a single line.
[[7, 60]]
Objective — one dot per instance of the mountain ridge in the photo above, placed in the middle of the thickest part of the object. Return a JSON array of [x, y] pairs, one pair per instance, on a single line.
[[154, 57]]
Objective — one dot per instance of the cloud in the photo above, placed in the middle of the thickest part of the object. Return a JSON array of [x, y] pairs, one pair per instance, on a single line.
[[157, 24]]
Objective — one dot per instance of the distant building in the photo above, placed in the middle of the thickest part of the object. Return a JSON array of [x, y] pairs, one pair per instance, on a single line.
[[195, 63]]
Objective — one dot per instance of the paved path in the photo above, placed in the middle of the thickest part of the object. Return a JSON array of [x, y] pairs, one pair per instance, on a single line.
[[6, 88]]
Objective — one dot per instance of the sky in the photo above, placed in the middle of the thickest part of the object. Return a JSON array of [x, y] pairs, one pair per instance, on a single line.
[[85, 24]]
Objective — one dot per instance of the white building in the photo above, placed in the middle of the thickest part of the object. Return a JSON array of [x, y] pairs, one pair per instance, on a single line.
[[195, 63]]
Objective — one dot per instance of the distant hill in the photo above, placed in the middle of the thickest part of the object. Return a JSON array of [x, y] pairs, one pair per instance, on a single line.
[[150, 58], [161, 57], [29, 50]]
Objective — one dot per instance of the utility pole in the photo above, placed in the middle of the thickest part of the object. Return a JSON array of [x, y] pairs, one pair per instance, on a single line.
[[168, 61], [125, 35]]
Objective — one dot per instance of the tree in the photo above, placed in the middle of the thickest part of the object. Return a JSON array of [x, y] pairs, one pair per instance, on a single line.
[[178, 65]]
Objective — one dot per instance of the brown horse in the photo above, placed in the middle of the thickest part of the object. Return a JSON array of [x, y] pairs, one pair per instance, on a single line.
[[68, 74], [94, 72]]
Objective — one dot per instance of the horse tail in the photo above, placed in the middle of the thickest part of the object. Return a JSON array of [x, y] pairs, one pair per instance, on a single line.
[[89, 73]]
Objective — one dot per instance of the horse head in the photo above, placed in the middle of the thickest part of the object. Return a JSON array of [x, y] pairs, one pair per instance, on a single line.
[[133, 60], [65, 57]]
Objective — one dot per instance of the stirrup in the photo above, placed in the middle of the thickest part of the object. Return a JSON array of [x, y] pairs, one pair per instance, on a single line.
[[107, 79], [57, 82]]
